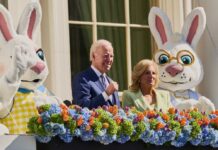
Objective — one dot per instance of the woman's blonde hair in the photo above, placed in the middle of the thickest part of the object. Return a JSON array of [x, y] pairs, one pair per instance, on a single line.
[[138, 70]]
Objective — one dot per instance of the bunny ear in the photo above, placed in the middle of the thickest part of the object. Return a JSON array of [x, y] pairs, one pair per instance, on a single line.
[[7, 31], [160, 26], [30, 19], [194, 26]]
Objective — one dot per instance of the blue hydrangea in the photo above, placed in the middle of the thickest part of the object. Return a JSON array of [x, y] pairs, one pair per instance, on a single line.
[[107, 139], [122, 139], [72, 112], [104, 138], [197, 140], [84, 134], [49, 128], [212, 116], [85, 112], [122, 113], [168, 135], [54, 109], [45, 117], [67, 137], [161, 136], [131, 116], [181, 140], [77, 132], [214, 143], [159, 119], [187, 130], [59, 129], [146, 135], [54, 129], [87, 135], [43, 139]]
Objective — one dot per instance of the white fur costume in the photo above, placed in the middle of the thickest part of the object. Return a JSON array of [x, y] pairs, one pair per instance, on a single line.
[[22, 62], [179, 66]]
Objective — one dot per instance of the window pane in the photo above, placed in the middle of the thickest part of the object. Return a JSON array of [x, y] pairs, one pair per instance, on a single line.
[[116, 36], [139, 10], [110, 11], [80, 42], [79, 10], [140, 44]]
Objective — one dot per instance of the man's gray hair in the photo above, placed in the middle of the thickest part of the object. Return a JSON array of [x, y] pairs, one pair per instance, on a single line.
[[99, 44]]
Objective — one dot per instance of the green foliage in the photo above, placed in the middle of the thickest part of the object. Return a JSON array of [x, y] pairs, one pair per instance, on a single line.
[[96, 127], [175, 126], [153, 124], [139, 129], [126, 128], [195, 129], [57, 118], [44, 107], [35, 127], [71, 124]]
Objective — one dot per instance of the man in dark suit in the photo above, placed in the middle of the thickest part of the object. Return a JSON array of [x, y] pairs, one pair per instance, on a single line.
[[92, 87]]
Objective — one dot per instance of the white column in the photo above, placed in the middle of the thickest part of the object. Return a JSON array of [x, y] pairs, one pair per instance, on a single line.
[[55, 42]]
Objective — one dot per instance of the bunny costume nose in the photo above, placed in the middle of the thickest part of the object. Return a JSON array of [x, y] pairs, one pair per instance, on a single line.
[[173, 70], [38, 68]]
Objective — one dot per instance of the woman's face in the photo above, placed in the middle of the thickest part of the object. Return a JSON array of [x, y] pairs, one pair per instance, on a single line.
[[148, 78]]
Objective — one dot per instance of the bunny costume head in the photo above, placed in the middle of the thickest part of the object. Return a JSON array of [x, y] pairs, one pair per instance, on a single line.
[[179, 66], [17, 49]]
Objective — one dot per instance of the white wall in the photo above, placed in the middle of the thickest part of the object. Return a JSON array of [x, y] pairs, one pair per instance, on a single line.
[[208, 51]]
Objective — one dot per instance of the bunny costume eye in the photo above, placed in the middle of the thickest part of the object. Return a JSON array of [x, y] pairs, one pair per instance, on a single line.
[[186, 59], [163, 59], [40, 54]]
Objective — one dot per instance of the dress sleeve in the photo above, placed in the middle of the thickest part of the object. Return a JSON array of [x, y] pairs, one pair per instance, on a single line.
[[127, 101], [169, 100]]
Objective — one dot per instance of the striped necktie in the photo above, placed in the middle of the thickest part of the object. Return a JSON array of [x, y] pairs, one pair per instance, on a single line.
[[103, 81]]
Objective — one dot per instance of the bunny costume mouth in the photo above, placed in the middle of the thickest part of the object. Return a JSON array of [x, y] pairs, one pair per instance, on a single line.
[[35, 80], [175, 82]]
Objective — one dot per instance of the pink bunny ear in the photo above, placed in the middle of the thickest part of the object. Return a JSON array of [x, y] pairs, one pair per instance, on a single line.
[[6, 28], [160, 26], [30, 19], [194, 26], [192, 30], [31, 24]]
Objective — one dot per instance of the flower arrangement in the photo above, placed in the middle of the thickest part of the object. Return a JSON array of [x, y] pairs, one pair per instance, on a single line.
[[108, 124]]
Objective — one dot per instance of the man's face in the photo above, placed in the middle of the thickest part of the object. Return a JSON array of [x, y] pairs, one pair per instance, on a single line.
[[103, 59]]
